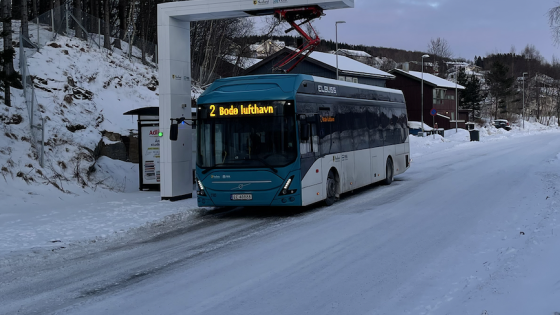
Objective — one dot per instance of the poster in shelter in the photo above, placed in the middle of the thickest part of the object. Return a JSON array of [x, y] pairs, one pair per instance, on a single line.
[[150, 154]]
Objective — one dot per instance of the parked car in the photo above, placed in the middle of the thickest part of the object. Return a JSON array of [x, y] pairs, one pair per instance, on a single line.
[[501, 123]]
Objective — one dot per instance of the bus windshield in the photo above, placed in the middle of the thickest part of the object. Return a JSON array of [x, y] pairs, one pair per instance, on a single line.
[[246, 135]]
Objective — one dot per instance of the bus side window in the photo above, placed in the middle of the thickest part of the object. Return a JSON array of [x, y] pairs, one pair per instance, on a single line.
[[311, 144], [314, 138], [304, 144]]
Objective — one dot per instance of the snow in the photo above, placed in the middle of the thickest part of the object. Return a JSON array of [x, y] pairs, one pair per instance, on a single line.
[[439, 82], [45, 204], [348, 65], [418, 125], [353, 53], [489, 247], [243, 62]]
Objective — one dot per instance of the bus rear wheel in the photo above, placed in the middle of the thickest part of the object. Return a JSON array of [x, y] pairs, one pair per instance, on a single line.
[[389, 172], [331, 189]]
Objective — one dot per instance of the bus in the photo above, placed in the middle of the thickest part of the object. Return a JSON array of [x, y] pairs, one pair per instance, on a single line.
[[295, 140]]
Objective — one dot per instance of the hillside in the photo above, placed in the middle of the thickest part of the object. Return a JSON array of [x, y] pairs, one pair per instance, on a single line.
[[82, 93]]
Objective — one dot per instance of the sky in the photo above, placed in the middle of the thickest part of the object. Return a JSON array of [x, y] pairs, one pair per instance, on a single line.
[[475, 27]]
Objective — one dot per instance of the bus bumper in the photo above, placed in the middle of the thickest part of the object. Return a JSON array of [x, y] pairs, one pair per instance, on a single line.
[[259, 198]]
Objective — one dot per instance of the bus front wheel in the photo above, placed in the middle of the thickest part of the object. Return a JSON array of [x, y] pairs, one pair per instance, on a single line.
[[389, 172], [331, 189]]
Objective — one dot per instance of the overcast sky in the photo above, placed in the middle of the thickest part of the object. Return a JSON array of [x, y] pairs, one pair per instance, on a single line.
[[474, 27]]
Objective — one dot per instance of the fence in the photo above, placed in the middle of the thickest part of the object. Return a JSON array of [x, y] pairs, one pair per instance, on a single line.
[[36, 119]]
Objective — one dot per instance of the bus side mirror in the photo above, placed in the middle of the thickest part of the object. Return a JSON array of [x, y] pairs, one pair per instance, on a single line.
[[174, 132], [304, 131]]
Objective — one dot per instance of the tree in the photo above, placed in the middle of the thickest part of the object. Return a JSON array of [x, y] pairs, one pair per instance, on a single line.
[[439, 50], [500, 85], [121, 14], [34, 9], [8, 76], [78, 15], [25, 23], [107, 30], [473, 95], [57, 16], [554, 22], [461, 79]]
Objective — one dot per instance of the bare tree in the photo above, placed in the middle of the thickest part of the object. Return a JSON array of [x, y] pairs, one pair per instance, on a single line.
[[122, 23], [24, 21], [107, 31], [57, 17], [439, 50], [34, 8], [532, 53], [439, 47], [554, 22], [9, 52], [78, 15], [273, 26], [132, 18]]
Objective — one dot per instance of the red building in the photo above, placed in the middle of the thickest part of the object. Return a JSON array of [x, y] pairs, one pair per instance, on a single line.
[[439, 94]]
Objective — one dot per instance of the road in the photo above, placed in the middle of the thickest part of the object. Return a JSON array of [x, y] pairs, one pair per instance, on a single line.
[[455, 234]]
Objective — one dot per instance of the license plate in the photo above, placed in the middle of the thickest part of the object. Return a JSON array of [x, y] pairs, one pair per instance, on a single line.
[[241, 197]]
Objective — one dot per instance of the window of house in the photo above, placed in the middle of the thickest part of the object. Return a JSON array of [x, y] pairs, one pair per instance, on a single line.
[[439, 96]]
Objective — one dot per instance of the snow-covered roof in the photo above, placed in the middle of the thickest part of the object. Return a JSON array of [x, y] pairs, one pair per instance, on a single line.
[[348, 65], [354, 53], [418, 125], [243, 62], [430, 78]]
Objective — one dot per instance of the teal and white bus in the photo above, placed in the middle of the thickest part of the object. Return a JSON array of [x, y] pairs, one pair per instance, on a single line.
[[294, 140]]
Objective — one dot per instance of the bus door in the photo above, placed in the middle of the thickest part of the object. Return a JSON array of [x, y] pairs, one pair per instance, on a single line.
[[309, 149]]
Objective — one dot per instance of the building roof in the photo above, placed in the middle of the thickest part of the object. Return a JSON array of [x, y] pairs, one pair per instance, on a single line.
[[429, 79], [346, 66], [353, 53], [242, 62]]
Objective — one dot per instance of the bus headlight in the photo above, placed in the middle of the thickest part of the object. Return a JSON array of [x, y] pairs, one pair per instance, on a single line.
[[286, 189], [201, 191]]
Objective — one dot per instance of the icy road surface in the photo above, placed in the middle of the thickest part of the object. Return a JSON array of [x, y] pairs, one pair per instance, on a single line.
[[472, 230]]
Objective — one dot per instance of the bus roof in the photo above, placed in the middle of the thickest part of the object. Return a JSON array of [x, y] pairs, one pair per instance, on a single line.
[[271, 87]]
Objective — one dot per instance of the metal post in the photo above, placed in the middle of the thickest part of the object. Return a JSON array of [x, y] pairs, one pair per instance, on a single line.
[[52, 20], [99, 32], [67, 19], [336, 31], [456, 101], [42, 141], [31, 111], [434, 130], [422, 95], [523, 109], [38, 38]]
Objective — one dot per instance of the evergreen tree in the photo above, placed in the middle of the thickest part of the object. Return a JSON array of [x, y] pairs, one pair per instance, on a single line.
[[462, 80], [500, 86], [473, 95]]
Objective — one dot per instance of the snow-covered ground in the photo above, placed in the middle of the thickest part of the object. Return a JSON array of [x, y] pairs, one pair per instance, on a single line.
[[82, 92], [35, 216], [470, 228]]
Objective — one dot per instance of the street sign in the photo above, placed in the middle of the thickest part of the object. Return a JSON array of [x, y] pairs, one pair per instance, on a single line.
[[433, 112]]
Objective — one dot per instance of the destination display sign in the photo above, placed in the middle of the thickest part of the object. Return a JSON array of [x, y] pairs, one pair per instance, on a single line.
[[242, 109]]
